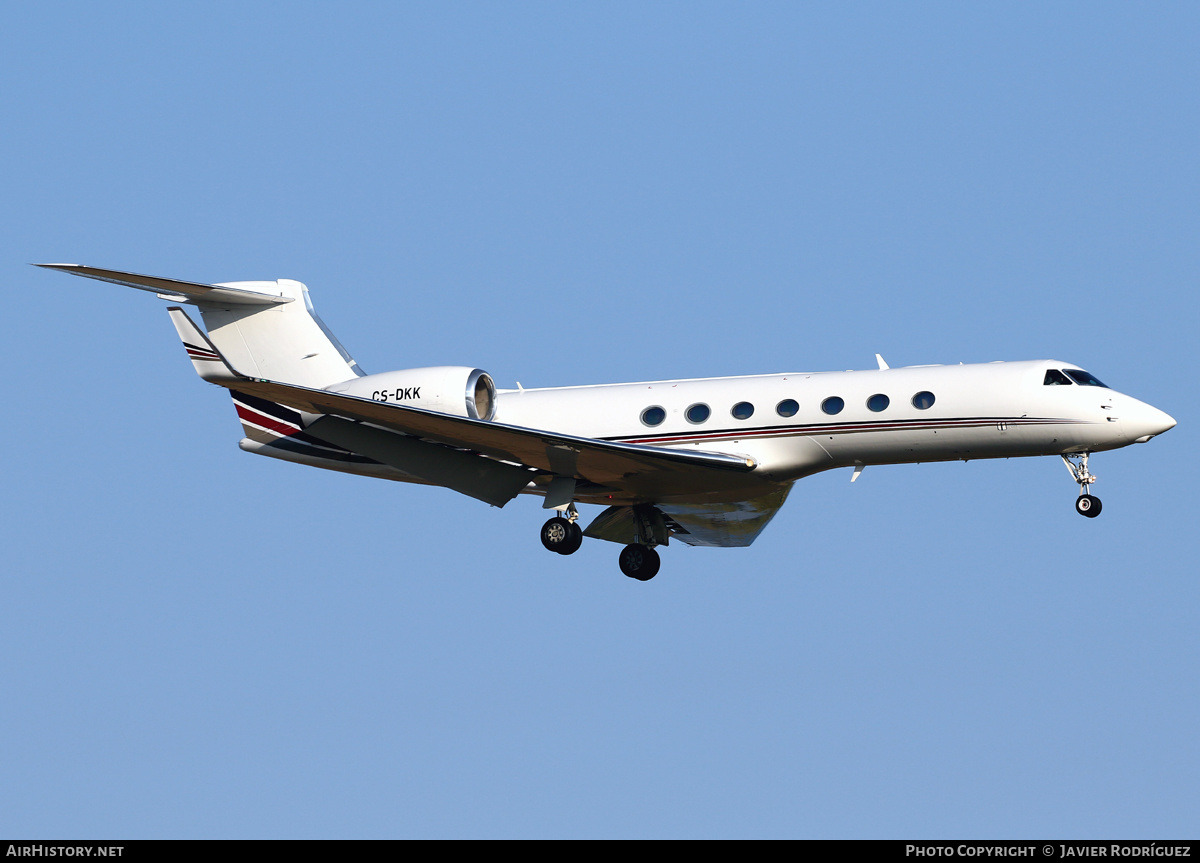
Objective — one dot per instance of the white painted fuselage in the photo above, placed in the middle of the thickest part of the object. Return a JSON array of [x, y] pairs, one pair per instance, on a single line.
[[990, 410]]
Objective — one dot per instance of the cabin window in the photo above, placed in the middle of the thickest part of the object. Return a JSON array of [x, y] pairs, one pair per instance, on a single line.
[[923, 401], [742, 411], [1055, 378], [833, 405], [787, 408], [878, 402], [1084, 379], [698, 413], [653, 416]]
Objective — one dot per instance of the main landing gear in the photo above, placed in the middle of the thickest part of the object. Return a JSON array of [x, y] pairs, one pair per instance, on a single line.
[[563, 535], [639, 561], [1086, 504]]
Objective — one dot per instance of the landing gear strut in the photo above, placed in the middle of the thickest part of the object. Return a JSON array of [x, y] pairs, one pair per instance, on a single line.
[[1086, 504], [563, 535]]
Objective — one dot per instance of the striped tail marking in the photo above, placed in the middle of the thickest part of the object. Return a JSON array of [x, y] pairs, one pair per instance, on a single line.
[[267, 422]]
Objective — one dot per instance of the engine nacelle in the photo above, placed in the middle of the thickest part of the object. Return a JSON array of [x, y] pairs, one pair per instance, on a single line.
[[458, 390]]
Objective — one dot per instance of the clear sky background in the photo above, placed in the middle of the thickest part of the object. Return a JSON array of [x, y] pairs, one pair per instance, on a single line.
[[195, 642]]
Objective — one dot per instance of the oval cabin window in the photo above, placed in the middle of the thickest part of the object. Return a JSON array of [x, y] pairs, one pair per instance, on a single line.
[[653, 416]]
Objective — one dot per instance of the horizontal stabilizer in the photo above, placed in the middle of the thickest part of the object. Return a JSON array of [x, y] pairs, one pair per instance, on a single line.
[[174, 289]]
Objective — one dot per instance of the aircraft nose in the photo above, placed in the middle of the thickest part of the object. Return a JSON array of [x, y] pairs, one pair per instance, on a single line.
[[1163, 421], [1147, 421]]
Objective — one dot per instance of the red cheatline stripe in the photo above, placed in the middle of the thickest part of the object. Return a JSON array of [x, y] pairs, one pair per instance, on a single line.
[[265, 421], [850, 428]]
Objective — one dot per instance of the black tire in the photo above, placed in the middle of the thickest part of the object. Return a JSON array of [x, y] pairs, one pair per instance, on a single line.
[[1088, 505], [574, 540], [639, 561], [556, 534]]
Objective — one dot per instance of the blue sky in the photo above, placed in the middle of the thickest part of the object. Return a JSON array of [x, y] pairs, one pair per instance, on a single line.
[[197, 642]]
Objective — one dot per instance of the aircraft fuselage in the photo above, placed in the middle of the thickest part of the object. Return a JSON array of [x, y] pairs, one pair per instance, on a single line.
[[990, 410]]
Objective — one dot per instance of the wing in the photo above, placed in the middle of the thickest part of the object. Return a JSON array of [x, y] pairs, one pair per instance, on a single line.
[[629, 472], [727, 525]]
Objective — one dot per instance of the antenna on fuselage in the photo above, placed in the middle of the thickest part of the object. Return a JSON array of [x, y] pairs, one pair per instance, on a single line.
[[882, 364]]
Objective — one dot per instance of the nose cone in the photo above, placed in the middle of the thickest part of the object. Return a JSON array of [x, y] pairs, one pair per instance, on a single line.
[[1144, 422]]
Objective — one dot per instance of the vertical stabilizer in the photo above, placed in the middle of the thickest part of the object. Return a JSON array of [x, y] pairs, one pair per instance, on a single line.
[[286, 342]]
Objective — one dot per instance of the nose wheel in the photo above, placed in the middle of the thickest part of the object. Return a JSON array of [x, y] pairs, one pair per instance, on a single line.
[[1086, 504]]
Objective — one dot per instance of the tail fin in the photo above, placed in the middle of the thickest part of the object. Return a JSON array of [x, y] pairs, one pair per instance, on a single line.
[[285, 342], [264, 329]]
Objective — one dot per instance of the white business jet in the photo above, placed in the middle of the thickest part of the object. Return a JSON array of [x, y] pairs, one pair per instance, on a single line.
[[706, 461]]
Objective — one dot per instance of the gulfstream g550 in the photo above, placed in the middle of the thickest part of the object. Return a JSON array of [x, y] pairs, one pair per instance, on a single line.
[[706, 461]]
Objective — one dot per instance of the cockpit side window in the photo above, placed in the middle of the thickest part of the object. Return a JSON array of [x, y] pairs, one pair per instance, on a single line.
[[1084, 379], [1055, 378]]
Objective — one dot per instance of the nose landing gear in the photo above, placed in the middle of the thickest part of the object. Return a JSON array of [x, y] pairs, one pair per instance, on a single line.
[[1086, 504]]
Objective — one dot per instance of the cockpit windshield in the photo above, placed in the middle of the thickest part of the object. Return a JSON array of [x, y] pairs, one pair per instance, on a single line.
[[1085, 379], [1055, 378]]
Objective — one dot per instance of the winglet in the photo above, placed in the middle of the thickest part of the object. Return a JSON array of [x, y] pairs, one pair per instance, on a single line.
[[206, 359]]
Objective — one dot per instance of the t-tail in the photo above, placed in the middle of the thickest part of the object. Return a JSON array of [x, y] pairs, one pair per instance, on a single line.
[[255, 330]]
